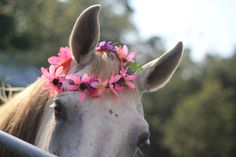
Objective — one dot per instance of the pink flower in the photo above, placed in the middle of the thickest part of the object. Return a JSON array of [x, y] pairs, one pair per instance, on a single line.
[[63, 58], [99, 85], [123, 56], [52, 76], [81, 84], [127, 79], [114, 88]]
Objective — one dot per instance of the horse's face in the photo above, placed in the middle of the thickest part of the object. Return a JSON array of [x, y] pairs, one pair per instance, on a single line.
[[105, 126]]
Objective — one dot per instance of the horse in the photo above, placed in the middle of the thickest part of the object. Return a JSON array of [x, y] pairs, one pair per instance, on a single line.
[[104, 126]]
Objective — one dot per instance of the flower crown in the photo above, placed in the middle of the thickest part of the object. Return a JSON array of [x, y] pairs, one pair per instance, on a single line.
[[58, 80]]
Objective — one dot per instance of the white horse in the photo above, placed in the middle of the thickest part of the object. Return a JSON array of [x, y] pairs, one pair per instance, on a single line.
[[96, 127]]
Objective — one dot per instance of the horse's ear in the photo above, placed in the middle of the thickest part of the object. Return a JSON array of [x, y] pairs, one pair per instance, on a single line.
[[85, 34], [159, 71]]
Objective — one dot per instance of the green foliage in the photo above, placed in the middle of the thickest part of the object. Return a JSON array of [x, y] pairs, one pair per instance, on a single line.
[[134, 67], [43, 26], [195, 113], [202, 124]]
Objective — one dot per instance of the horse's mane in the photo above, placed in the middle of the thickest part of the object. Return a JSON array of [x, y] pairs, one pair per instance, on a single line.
[[21, 115], [104, 63]]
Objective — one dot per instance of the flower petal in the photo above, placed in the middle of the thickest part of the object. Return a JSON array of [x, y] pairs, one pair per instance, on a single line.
[[125, 50], [95, 84], [63, 51], [120, 53], [72, 88], [52, 92], [114, 92], [46, 74], [118, 88], [85, 78], [59, 70], [75, 78], [116, 78], [52, 69], [94, 93], [53, 60], [130, 84], [130, 77], [102, 43], [131, 56]]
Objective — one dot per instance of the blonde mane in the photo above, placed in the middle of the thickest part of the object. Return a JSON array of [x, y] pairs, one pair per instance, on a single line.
[[21, 115], [104, 63]]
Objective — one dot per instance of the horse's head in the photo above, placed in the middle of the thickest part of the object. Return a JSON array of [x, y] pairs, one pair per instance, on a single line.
[[106, 125]]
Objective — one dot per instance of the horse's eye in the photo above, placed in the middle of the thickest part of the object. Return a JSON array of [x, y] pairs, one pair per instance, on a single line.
[[59, 111], [143, 139]]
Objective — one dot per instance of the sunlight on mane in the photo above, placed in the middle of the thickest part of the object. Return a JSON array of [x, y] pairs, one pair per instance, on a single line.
[[104, 63], [20, 116]]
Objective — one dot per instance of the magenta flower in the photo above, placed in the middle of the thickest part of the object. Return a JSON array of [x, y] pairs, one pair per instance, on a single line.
[[99, 87], [53, 78], [83, 85], [103, 46], [93, 92], [76, 83], [124, 57], [127, 79], [99, 84]]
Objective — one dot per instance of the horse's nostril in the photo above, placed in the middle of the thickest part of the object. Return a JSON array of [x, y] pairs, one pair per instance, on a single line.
[[143, 139]]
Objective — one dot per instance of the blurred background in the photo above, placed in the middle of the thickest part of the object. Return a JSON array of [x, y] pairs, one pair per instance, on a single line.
[[195, 114]]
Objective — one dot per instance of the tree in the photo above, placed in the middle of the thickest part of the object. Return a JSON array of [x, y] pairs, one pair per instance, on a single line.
[[202, 124], [36, 30]]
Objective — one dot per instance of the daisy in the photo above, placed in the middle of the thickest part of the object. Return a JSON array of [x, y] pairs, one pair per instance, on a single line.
[[83, 85], [99, 85], [53, 78], [123, 56]]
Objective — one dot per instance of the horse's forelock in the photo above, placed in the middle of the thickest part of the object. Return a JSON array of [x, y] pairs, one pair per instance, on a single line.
[[104, 63]]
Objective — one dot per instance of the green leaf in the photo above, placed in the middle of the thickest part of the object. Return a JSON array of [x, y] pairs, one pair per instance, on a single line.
[[134, 67]]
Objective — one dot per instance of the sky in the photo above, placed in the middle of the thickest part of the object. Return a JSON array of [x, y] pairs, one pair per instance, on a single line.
[[205, 26]]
